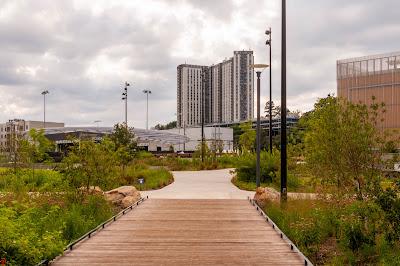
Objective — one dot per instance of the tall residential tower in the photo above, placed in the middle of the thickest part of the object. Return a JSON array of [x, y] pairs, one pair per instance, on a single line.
[[227, 87]]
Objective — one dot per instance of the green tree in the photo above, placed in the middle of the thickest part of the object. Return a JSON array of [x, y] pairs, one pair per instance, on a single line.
[[125, 145], [342, 144], [169, 125], [91, 164], [247, 139]]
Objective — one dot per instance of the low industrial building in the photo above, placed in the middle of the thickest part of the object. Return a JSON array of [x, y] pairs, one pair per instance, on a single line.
[[149, 140], [217, 138]]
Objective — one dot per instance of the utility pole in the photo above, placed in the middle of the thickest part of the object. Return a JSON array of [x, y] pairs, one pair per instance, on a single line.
[[283, 109], [147, 92], [268, 42], [125, 98], [44, 107]]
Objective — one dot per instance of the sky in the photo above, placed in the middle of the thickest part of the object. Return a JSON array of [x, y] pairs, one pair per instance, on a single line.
[[83, 51]]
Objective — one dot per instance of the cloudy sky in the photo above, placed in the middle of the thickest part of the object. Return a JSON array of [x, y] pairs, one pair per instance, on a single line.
[[83, 51]]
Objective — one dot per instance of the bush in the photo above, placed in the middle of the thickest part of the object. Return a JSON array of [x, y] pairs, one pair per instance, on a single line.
[[154, 178], [24, 180], [246, 167]]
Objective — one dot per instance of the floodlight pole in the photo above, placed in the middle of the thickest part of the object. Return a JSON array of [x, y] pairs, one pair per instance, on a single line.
[[147, 92], [269, 32], [44, 107], [283, 109], [125, 97]]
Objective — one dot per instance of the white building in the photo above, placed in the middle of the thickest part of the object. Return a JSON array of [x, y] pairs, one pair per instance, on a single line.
[[228, 91], [215, 137]]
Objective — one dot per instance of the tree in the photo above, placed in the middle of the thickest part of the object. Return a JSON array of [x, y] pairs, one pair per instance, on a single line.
[[275, 109], [90, 164], [169, 125], [34, 149], [123, 136], [342, 144], [247, 140], [125, 145]]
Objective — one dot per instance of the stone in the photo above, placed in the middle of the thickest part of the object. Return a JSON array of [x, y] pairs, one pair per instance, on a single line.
[[93, 190], [125, 190], [128, 201], [114, 196], [264, 195], [123, 196]]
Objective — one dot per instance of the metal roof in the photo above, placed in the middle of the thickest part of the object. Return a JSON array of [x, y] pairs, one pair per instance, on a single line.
[[142, 135]]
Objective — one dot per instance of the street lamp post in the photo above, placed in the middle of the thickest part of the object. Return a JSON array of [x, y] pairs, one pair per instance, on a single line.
[[283, 109], [268, 42], [44, 107], [147, 92], [125, 98], [260, 68]]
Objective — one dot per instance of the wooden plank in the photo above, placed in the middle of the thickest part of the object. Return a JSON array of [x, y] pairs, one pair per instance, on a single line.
[[185, 232]]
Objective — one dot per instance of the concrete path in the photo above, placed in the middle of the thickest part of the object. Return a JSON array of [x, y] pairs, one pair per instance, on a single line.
[[213, 184]]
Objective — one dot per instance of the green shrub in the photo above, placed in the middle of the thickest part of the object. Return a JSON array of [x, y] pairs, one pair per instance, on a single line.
[[246, 167]]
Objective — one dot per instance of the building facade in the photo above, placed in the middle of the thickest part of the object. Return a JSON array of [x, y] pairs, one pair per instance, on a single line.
[[228, 91], [361, 79], [15, 128]]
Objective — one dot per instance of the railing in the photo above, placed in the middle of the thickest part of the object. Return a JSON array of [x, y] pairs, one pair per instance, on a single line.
[[293, 247], [100, 227]]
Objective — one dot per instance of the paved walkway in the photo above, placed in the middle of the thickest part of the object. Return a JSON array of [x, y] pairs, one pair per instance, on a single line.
[[213, 184], [186, 232]]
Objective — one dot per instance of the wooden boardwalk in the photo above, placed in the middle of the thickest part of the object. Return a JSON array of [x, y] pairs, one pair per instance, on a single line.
[[185, 232]]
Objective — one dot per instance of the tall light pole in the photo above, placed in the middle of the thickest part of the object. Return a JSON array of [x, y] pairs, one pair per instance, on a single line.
[[125, 98], [283, 109], [147, 92], [258, 68], [97, 123], [44, 93], [268, 42]]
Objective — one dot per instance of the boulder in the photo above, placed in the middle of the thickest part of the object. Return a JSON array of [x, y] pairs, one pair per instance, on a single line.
[[123, 196], [125, 190], [128, 201], [93, 190], [263, 195]]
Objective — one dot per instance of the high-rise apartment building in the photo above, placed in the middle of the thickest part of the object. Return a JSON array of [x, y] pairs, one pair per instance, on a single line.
[[360, 79], [227, 87]]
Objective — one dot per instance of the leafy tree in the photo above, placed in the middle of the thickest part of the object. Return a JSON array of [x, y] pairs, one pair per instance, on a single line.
[[90, 164], [342, 143], [169, 125], [275, 109], [123, 136], [247, 140], [34, 149], [125, 145]]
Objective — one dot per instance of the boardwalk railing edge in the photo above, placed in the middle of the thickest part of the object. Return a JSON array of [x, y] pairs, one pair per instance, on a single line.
[[293, 247], [95, 230]]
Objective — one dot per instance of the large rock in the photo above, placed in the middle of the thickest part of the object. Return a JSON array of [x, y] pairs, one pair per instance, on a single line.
[[123, 196], [264, 195], [92, 190]]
